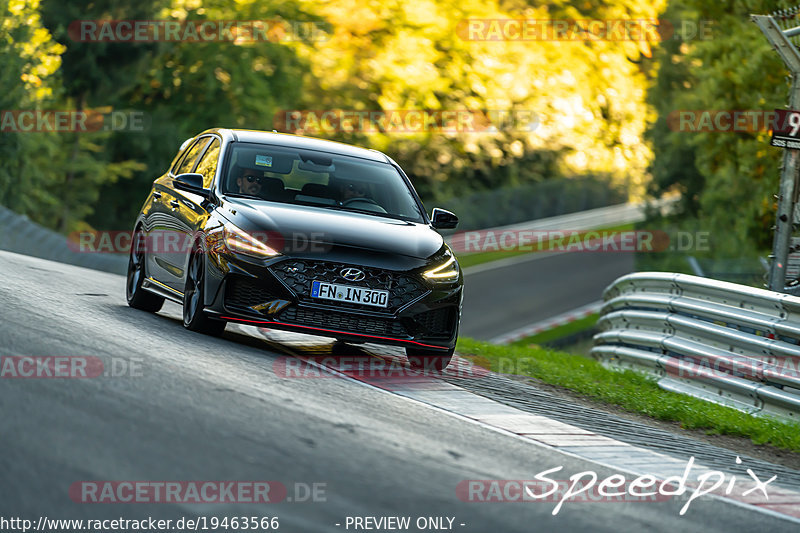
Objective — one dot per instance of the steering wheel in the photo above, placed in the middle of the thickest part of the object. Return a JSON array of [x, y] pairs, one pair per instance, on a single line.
[[369, 201], [360, 199]]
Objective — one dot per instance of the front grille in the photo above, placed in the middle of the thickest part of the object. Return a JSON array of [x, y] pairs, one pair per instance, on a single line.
[[342, 322], [298, 275], [437, 322]]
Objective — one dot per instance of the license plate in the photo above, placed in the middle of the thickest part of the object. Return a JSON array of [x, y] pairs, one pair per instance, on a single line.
[[348, 293]]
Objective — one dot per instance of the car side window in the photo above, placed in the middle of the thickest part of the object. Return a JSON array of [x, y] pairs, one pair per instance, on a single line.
[[191, 157], [208, 164], [176, 161]]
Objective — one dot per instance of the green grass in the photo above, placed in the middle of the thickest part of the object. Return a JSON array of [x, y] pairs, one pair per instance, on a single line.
[[629, 390], [466, 260], [559, 332]]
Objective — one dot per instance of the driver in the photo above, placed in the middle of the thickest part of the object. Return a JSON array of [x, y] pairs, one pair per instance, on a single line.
[[250, 181], [350, 190]]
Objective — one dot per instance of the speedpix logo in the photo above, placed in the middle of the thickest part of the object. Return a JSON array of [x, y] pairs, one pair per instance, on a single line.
[[588, 487]]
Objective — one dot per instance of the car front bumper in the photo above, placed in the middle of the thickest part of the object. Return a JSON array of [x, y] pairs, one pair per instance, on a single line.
[[276, 294]]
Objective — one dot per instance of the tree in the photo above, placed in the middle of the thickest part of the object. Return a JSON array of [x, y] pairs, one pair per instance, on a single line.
[[587, 95], [186, 87], [727, 178], [28, 81]]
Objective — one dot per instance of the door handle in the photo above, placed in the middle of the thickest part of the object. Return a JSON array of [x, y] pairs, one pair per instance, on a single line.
[[174, 204], [156, 195]]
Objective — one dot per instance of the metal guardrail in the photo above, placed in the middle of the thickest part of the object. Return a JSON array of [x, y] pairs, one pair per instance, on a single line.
[[20, 235], [549, 198], [600, 217], [722, 342]]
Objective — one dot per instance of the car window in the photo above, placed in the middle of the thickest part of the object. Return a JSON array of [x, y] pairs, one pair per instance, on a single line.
[[191, 156], [208, 164], [319, 179], [176, 161]]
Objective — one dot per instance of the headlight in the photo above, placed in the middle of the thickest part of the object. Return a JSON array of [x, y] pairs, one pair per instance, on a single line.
[[238, 241], [447, 271]]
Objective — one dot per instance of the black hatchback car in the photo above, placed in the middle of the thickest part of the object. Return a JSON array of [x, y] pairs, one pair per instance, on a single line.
[[301, 234]]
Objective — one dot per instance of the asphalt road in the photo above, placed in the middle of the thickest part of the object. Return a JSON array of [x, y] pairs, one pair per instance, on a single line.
[[200, 408], [536, 287]]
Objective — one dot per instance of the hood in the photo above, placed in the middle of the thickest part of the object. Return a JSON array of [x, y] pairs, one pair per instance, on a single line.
[[300, 223]]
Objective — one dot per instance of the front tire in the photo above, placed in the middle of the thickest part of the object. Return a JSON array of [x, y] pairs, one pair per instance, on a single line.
[[137, 297], [194, 317], [436, 360]]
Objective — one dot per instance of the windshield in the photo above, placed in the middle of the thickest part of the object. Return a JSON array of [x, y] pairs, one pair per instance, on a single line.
[[320, 179]]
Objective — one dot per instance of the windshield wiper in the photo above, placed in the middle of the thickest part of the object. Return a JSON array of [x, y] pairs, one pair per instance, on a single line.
[[374, 213], [242, 195]]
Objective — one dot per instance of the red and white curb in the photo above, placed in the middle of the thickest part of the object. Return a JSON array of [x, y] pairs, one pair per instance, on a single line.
[[548, 324]]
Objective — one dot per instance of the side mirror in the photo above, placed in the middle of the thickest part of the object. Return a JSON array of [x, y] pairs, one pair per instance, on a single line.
[[442, 219], [191, 182]]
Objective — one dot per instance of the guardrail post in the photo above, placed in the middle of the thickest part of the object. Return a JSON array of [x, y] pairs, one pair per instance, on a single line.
[[787, 197]]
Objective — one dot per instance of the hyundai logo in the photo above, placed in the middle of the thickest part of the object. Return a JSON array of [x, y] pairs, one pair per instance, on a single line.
[[352, 274]]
